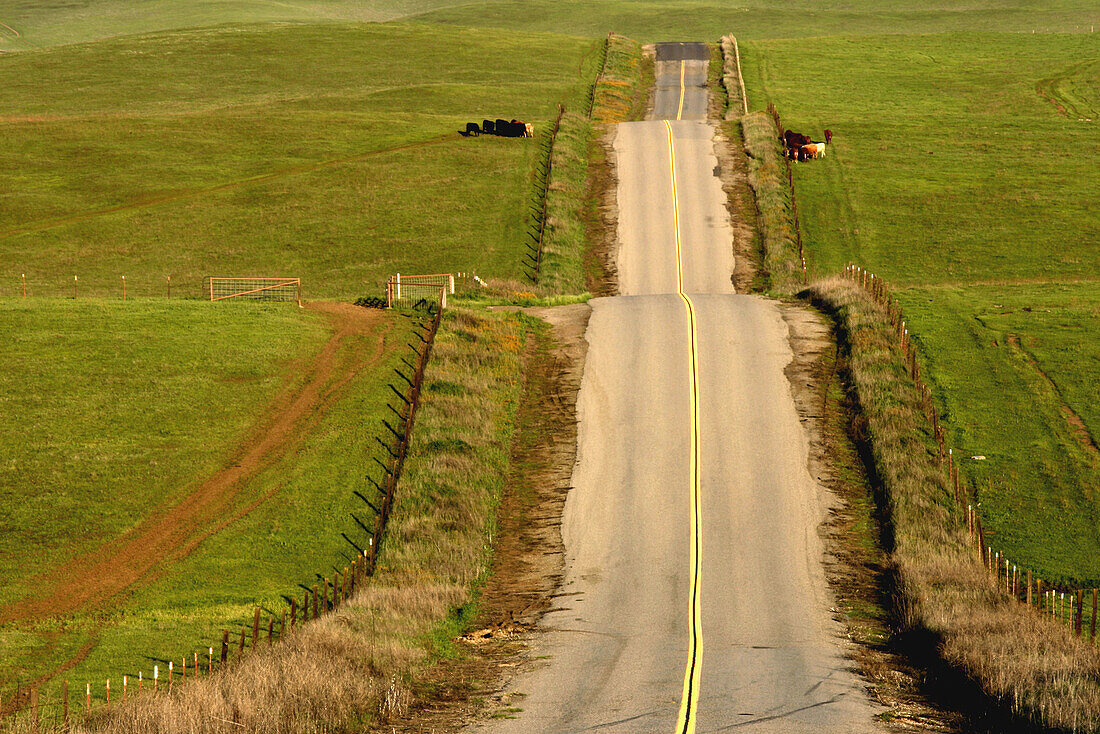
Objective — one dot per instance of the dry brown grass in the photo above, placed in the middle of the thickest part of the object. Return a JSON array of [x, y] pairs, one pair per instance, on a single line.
[[353, 668], [1030, 667]]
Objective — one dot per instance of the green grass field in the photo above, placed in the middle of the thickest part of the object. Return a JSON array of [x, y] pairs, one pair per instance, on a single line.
[[134, 405], [954, 175], [326, 152], [691, 20]]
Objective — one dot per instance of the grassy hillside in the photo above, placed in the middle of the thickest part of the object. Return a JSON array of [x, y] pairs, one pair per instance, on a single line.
[[669, 20], [30, 25], [327, 152], [955, 175], [137, 405]]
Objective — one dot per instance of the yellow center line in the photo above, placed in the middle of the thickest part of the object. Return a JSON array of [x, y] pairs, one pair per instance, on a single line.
[[680, 109], [685, 720]]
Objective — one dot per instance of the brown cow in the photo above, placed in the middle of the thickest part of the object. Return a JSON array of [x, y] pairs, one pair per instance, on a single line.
[[814, 150], [828, 137]]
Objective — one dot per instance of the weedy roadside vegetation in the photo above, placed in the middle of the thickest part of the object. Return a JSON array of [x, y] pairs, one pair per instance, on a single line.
[[944, 600], [620, 93]]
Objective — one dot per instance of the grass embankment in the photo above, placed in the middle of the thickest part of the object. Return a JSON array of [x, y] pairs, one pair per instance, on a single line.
[[354, 667], [1036, 670], [954, 177], [326, 152], [130, 408], [575, 196]]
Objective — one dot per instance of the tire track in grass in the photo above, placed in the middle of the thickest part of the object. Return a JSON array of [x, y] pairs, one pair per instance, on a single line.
[[171, 533]]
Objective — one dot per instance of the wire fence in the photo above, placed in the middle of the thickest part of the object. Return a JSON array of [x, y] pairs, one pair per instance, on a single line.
[[794, 200], [58, 708], [121, 287], [532, 261], [1069, 605]]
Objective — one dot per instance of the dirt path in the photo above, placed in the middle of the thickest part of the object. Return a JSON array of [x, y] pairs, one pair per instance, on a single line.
[[172, 532]]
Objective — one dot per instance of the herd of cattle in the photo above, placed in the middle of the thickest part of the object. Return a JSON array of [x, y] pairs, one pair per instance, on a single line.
[[799, 147], [504, 128]]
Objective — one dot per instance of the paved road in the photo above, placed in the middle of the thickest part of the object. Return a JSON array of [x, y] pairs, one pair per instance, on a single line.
[[672, 100], [694, 598]]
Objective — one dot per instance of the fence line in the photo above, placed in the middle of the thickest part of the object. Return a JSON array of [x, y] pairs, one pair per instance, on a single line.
[[123, 288], [542, 188], [266, 626], [1062, 604], [794, 201], [599, 75], [730, 52], [407, 413]]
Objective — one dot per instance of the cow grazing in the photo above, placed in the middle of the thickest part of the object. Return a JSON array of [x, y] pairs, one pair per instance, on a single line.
[[472, 129], [529, 130], [814, 150], [829, 137], [487, 127], [795, 140]]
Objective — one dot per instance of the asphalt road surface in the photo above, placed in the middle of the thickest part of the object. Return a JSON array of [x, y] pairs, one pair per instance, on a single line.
[[694, 598]]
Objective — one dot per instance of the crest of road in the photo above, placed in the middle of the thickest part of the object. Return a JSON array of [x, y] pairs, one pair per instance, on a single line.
[[694, 598]]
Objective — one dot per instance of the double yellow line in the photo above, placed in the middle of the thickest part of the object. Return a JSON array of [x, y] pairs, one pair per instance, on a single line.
[[685, 720]]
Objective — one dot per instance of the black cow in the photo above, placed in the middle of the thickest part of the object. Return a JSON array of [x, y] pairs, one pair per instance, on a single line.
[[487, 127], [472, 129]]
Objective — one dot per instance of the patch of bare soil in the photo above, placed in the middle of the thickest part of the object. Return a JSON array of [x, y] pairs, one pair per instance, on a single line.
[[855, 564], [733, 171], [602, 218], [172, 532], [528, 557]]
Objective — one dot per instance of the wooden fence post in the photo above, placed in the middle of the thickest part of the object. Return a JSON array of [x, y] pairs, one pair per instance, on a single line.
[[315, 601], [240, 647], [108, 694], [34, 707], [225, 646], [1092, 625], [270, 628], [1080, 610], [88, 700], [1029, 587]]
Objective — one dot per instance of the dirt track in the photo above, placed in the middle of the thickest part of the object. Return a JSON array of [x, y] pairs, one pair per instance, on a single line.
[[172, 532]]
